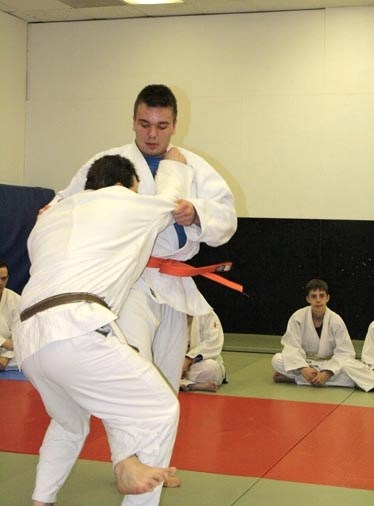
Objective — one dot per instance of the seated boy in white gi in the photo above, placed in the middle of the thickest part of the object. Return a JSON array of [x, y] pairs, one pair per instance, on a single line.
[[9, 301], [203, 367], [86, 254], [362, 372], [316, 343]]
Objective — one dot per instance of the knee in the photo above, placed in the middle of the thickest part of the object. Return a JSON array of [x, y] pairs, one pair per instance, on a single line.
[[206, 370], [173, 412]]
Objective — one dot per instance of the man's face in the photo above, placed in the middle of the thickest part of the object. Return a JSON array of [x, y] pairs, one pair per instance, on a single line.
[[153, 127], [3, 279], [318, 300]]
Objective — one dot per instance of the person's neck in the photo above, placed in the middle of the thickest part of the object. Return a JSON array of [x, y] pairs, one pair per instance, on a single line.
[[318, 318], [156, 157]]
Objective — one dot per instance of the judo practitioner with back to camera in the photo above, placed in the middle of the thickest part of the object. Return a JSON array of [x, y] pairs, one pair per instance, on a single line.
[[85, 254], [316, 344], [154, 315]]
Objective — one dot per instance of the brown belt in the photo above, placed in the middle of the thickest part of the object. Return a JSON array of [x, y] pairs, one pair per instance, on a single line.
[[58, 300]]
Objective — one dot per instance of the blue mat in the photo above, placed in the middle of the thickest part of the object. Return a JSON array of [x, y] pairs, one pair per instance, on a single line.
[[13, 375]]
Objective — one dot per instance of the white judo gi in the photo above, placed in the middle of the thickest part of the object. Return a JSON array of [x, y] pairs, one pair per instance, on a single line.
[[302, 347], [154, 315], [205, 346], [8, 316], [97, 242], [362, 372]]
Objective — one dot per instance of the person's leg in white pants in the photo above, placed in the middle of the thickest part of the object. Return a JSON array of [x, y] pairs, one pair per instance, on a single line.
[[206, 375], [362, 374], [158, 331], [170, 344], [340, 379], [95, 375]]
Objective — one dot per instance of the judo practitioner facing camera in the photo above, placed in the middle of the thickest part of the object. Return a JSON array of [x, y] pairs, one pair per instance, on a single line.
[[316, 343], [154, 314], [86, 253]]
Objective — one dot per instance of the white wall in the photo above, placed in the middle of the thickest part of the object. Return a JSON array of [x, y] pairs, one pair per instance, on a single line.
[[13, 54], [282, 104]]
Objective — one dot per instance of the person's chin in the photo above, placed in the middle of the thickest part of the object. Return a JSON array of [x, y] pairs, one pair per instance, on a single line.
[[320, 309], [152, 150]]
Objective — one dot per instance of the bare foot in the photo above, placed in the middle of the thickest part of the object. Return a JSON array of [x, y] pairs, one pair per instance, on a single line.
[[172, 482], [207, 386], [38, 503], [133, 477], [281, 378]]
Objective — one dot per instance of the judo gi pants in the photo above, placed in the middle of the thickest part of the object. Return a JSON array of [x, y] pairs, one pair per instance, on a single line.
[[206, 370], [337, 380], [158, 331], [359, 372], [97, 375]]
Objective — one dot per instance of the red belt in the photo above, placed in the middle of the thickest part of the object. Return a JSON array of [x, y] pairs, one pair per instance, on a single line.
[[180, 269]]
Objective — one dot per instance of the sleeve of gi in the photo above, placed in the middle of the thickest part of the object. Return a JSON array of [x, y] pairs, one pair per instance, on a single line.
[[344, 349], [368, 348], [293, 354], [214, 204], [206, 337]]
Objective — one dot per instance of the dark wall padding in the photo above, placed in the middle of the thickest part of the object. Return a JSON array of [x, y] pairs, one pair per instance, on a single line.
[[19, 207], [272, 258], [275, 258]]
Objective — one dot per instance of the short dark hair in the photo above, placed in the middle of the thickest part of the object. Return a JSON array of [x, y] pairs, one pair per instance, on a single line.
[[157, 95], [4, 264], [109, 170], [316, 284]]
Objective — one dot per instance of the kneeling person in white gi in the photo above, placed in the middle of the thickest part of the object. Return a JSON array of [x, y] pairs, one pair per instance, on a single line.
[[9, 301], [85, 254], [362, 372], [316, 343], [203, 367]]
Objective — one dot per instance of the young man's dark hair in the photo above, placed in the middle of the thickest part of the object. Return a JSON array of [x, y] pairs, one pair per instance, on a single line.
[[157, 95], [4, 264], [316, 284], [109, 170]]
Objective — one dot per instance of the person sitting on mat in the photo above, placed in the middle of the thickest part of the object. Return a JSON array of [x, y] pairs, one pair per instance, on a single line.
[[9, 301], [362, 371], [203, 367], [316, 344]]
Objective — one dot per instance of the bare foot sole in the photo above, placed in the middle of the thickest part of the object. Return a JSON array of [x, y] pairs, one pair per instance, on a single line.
[[281, 378], [133, 477], [172, 482], [205, 386]]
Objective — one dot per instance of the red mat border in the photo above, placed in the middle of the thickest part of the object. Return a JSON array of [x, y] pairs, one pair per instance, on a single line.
[[324, 444]]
